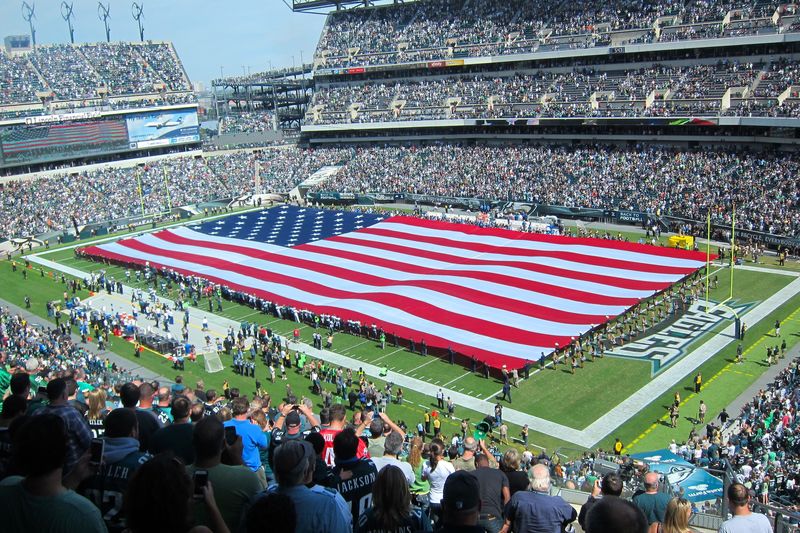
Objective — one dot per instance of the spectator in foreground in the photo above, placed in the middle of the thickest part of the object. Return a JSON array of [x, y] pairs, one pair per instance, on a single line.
[[354, 476], [609, 486], [176, 437], [536, 510], [40, 501], [275, 513], [392, 446], [234, 486], [79, 436], [676, 518], [391, 506], [293, 466], [744, 520], [159, 499], [461, 504], [616, 515], [252, 436], [494, 494], [652, 503], [121, 459], [436, 472]]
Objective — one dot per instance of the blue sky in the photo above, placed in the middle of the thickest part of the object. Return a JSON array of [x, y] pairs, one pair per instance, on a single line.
[[207, 34]]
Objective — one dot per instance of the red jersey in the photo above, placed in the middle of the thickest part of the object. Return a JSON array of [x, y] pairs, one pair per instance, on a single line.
[[327, 453]]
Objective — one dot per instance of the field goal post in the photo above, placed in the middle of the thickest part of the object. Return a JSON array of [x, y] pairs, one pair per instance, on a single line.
[[212, 362], [732, 264]]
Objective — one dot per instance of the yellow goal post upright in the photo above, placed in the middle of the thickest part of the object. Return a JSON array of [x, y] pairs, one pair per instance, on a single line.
[[732, 264]]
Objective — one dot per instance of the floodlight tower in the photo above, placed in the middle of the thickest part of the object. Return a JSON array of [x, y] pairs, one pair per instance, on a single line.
[[66, 14], [136, 11], [103, 13], [29, 13]]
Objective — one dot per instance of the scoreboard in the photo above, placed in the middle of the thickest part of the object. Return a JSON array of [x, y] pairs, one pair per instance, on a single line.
[[62, 137]]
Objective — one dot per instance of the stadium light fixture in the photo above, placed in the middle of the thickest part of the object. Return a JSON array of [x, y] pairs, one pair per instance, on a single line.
[[66, 14], [136, 11], [104, 13], [29, 13]]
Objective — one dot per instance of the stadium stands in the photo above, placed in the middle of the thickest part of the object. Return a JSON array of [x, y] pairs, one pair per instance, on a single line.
[[247, 122], [658, 90], [91, 71], [428, 30], [30, 207]]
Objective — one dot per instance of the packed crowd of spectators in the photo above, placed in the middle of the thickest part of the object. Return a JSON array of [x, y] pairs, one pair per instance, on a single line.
[[663, 181], [679, 90], [247, 122], [59, 202], [435, 30], [78, 72]]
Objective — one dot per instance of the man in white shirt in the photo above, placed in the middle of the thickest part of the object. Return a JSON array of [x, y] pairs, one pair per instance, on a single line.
[[744, 520]]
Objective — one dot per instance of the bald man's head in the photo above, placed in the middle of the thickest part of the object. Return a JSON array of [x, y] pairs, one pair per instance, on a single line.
[[651, 482], [540, 478]]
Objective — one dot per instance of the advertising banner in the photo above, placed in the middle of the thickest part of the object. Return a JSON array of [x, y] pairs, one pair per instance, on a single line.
[[146, 130]]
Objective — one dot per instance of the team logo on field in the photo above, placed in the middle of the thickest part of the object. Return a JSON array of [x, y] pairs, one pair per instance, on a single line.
[[675, 340]]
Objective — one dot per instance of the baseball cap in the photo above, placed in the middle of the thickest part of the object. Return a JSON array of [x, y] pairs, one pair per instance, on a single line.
[[292, 456], [292, 422], [461, 492]]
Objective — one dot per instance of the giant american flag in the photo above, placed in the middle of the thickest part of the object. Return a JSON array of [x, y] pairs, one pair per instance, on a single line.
[[501, 296]]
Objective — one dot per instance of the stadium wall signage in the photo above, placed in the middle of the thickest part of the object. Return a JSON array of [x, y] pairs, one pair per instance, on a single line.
[[673, 342]]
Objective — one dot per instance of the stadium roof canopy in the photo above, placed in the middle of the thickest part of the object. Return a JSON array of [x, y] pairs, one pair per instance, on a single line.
[[308, 5]]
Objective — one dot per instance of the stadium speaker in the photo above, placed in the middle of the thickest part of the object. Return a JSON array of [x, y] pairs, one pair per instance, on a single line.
[[603, 467]]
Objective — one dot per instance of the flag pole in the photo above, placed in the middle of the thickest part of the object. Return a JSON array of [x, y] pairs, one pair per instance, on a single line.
[[141, 195], [166, 188], [708, 256], [733, 245]]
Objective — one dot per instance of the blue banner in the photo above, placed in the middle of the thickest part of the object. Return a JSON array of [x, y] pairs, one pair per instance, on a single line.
[[697, 484]]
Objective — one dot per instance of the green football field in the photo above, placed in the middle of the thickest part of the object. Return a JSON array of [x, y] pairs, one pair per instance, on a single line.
[[572, 400]]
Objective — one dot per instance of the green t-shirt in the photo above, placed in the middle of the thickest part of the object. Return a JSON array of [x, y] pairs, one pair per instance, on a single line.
[[5, 381], [233, 486], [66, 513]]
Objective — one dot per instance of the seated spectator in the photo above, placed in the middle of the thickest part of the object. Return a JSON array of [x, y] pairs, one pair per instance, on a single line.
[[41, 501], [121, 458], [616, 515], [176, 437], [77, 430], [294, 468], [391, 506], [234, 486], [274, 512], [160, 496]]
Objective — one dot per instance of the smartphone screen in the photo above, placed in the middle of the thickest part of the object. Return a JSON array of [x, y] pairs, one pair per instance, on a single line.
[[230, 435], [200, 481], [96, 449]]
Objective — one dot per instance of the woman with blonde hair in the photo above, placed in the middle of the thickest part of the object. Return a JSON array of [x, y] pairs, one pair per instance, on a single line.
[[420, 487], [96, 399], [676, 517]]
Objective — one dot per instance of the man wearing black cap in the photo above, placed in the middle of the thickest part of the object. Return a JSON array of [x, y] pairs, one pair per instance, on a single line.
[[287, 427], [461, 504], [319, 510]]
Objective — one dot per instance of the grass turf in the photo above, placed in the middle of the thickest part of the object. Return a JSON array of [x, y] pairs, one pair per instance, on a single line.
[[571, 400]]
